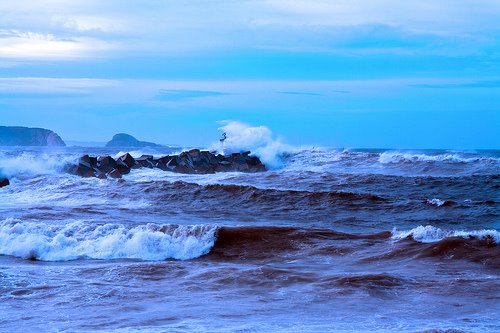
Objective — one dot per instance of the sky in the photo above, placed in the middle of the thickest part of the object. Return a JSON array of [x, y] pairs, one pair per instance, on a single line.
[[344, 73]]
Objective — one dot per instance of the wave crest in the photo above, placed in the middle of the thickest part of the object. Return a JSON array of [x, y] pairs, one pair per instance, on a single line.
[[431, 234], [28, 163], [79, 240], [399, 157]]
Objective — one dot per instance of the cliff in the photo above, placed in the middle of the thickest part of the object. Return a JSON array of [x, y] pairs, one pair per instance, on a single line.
[[24, 136]]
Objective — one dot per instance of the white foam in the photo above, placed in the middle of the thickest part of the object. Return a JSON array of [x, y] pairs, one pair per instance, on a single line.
[[147, 175], [430, 234], [436, 202], [110, 241], [397, 157], [28, 163], [257, 139]]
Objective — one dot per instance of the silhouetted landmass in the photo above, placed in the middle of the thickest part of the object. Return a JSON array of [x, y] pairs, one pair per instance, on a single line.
[[24, 136], [126, 140]]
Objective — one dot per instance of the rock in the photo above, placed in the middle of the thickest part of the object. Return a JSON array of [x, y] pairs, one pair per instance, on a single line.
[[243, 167], [182, 168], [162, 163], [126, 140], [83, 171], [146, 161], [86, 161], [4, 182], [128, 160], [101, 175], [122, 168], [194, 153], [190, 162], [115, 174], [105, 164], [24, 136], [172, 163]]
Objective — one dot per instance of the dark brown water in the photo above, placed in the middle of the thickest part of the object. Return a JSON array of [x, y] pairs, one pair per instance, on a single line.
[[331, 241]]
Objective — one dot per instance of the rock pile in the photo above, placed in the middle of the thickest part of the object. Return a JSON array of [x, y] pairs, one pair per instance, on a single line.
[[4, 182], [192, 162]]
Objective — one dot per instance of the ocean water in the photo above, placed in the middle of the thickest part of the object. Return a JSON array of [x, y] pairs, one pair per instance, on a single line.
[[328, 240]]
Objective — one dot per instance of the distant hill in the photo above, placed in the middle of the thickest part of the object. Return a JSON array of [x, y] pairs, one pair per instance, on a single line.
[[126, 140], [24, 136]]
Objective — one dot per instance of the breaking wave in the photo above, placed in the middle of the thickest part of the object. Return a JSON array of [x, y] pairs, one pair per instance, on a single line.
[[440, 203], [79, 240], [29, 164], [430, 234], [257, 139], [401, 157]]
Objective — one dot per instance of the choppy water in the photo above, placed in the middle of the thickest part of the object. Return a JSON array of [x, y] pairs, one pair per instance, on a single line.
[[333, 240]]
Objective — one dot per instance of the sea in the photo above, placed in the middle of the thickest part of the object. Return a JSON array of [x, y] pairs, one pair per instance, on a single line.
[[327, 240]]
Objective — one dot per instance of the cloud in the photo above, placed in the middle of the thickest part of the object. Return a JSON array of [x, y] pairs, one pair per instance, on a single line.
[[26, 45], [179, 95], [90, 23], [424, 15], [93, 28]]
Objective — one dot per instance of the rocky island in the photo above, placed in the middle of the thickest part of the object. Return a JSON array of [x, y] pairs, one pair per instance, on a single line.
[[193, 161], [126, 140], [24, 136]]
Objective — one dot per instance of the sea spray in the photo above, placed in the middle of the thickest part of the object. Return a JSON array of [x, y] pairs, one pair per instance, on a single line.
[[257, 139], [33, 163], [80, 240]]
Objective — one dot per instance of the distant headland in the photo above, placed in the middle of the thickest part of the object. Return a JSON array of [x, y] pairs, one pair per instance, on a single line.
[[126, 140], [24, 136]]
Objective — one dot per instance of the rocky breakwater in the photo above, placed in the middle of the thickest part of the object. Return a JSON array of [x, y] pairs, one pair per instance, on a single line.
[[191, 162]]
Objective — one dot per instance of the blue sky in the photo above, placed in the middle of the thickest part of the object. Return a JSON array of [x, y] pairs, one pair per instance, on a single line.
[[373, 73]]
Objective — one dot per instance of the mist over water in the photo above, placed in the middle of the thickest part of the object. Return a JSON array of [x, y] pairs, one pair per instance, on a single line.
[[326, 240]]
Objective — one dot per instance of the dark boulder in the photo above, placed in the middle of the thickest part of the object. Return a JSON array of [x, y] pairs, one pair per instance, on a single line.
[[146, 161], [101, 175], [4, 182], [86, 166], [83, 171], [87, 161], [115, 174], [173, 162], [122, 168], [162, 163], [105, 164], [128, 160]]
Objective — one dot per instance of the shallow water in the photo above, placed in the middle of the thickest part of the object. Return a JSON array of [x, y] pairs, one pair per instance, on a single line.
[[333, 240]]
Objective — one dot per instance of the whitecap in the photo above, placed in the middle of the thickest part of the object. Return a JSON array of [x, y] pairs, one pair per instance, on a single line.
[[79, 240], [430, 234]]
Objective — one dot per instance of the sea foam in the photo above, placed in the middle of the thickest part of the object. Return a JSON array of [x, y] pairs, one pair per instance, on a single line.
[[398, 157], [430, 234], [80, 240], [257, 139], [28, 163]]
